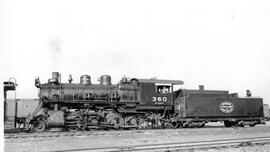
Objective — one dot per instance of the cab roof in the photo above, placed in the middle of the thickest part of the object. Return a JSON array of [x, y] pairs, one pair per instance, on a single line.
[[179, 82]]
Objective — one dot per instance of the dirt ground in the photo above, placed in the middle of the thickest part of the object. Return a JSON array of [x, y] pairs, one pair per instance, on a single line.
[[58, 141], [253, 148]]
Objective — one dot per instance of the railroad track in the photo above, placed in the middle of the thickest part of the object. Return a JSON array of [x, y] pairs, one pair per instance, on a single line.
[[69, 133], [89, 133], [179, 145], [50, 134]]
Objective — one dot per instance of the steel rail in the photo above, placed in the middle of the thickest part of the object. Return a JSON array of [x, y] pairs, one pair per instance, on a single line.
[[49, 134], [178, 145]]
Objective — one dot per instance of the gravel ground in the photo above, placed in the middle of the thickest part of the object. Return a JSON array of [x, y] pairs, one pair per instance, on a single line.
[[93, 139], [252, 148]]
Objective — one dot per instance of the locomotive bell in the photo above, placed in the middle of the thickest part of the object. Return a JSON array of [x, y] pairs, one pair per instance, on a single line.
[[105, 80], [85, 79]]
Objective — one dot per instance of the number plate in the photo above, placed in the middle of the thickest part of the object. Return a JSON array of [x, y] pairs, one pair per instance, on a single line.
[[159, 99]]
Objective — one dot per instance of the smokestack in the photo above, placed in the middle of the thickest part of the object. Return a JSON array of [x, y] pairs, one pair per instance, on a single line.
[[201, 87]]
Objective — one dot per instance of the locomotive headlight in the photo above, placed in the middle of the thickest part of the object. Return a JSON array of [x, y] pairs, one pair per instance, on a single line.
[[37, 82]]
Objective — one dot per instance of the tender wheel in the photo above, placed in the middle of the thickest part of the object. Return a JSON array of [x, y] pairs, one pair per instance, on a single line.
[[39, 126], [186, 125], [252, 125], [202, 125], [227, 124], [176, 124], [241, 125]]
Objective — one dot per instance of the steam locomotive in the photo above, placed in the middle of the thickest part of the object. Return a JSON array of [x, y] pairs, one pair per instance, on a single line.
[[134, 103]]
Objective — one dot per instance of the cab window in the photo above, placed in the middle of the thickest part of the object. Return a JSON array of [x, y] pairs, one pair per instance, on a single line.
[[163, 89]]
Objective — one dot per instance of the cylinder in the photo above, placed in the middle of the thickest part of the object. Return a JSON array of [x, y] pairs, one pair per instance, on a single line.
[[56, 118], [85, 79], [105, 80]]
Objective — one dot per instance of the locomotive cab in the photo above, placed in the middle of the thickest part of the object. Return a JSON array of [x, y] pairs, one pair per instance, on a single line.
[[157, 94]]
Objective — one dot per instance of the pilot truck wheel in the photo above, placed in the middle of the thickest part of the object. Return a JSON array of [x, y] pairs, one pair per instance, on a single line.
[[39, 126]]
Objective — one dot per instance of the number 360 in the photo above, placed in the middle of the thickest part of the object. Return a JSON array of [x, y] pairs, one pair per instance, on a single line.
[[159, 99]]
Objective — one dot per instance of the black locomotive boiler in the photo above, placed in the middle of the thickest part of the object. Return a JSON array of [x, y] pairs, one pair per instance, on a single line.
[[136, 103]]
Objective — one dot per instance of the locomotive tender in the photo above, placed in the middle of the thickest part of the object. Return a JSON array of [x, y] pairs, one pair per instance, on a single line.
[[136, 103]]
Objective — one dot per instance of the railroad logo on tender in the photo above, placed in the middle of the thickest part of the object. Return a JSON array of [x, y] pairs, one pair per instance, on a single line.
[[226, 107]]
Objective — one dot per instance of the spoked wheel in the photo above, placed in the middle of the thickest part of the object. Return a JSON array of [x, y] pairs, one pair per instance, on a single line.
[[82, 124], [168, 125], [76, 124], [131, 121], [115, 120], [93, 121], [72, 129], [39, 126], [143, 123]]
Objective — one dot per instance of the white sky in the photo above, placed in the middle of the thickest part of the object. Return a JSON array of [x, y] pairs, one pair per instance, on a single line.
[[221, 44]]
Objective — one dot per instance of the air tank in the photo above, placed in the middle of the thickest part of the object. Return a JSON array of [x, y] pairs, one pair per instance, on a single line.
[[105, 80], [85, 79]]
